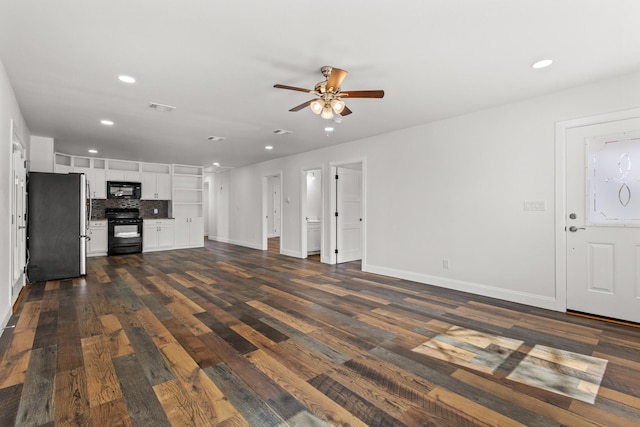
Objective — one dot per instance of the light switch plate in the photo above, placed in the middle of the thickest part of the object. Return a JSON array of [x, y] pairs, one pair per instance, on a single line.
[[535, 205]]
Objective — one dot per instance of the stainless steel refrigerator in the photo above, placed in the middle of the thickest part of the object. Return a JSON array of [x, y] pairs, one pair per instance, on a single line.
[[57, 225]]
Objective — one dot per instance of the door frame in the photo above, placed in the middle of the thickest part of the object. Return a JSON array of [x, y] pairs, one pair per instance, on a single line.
[[265, 208], [561, 130], [303, 212], [333, 207]]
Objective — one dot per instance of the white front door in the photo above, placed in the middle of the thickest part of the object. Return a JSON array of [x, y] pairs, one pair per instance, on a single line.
[[349, 219], [18, 221], [603, 219]]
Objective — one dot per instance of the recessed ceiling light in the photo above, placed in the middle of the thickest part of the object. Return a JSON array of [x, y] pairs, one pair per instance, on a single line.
[[268, 147], [542, 64], [106, 122], [328, 129], [92, 151], [216, 164], [126, 79]]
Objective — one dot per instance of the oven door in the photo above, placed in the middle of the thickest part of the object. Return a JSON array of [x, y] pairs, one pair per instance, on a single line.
[[125, 237]]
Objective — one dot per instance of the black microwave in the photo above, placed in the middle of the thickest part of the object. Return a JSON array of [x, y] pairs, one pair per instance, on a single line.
[[123, 190]]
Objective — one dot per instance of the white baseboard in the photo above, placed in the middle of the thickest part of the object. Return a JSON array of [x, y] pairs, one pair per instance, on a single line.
[[5, 320], [252, 245], [287, 252], [540, 301]]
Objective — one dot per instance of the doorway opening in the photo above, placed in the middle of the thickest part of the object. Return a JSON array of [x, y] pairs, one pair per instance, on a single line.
[[312, 220], [272, 213], [205, 210]]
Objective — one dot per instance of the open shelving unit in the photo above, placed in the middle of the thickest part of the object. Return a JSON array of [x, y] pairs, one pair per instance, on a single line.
[[187, 191]]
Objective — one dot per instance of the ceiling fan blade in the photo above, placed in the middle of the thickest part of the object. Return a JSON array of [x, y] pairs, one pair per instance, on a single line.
[[301, 106], [363, 93], [335, 79], [346, 111], [299, 89]]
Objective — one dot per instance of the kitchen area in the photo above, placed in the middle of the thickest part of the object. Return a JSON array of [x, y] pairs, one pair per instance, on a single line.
[[167, 200]]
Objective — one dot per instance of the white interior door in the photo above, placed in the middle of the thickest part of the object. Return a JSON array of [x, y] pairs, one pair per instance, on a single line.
[[349, 219], [276, 210], [18, 221], [603, 219]]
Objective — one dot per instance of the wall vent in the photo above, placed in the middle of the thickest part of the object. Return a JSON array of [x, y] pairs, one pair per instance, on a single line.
[[161, 107], [216, 138]]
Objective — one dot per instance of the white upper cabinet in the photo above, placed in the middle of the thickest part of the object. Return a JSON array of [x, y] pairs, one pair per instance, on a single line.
[[156, 181]]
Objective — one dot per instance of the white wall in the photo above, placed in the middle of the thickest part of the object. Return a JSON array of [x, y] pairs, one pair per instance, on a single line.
[[450, 190], [219, 207], [9, 110], [41, 154]]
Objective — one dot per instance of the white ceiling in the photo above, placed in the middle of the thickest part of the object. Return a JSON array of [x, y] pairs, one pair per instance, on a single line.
[[217, 62]]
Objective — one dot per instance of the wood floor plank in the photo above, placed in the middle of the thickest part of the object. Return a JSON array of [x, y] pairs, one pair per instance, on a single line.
[[36, 404], [112, 413], [142, 404], [149, 357], [72, 398], [102, 382], [9, 403], [355, 404], [119, 344], [472, 408], [181, 408], [250, 405], [317, 402]]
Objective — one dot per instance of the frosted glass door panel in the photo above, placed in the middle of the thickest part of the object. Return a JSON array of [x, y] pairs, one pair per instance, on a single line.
[[614, 180]]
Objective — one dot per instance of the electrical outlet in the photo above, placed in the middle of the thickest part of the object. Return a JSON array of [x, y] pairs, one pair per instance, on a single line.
[[445, 264], [155, 210]]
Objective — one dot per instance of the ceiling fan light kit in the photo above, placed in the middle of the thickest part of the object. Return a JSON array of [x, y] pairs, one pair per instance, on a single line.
[[329, 100]]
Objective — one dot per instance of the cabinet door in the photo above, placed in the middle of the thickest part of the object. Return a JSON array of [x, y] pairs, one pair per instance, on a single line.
[[132, 176], [99, 184], [313, 237], [98, 242], [196, 232], [149, 237], [165, 236], [163, 186], [149, 187], [116, 175], [181, 232]]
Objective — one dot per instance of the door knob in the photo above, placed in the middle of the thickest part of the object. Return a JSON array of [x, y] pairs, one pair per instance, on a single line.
[[573, 228]]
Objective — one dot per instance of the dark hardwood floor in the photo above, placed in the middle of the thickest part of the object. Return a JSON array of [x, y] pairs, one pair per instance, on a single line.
[[230, 336]]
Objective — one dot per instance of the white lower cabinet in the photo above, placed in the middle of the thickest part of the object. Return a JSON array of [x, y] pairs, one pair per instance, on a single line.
[[97, 245], [313, 237], [189, 232], [157, 234]]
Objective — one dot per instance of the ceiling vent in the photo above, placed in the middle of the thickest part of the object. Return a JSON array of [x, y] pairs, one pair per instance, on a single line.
[[161, 107], [282, 132], [216, 138]]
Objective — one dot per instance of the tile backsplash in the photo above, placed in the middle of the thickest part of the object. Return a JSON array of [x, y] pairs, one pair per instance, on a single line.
[[146, 207]]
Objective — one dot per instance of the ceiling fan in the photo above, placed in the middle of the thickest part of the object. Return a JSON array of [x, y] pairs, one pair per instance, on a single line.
[[329, 100]]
